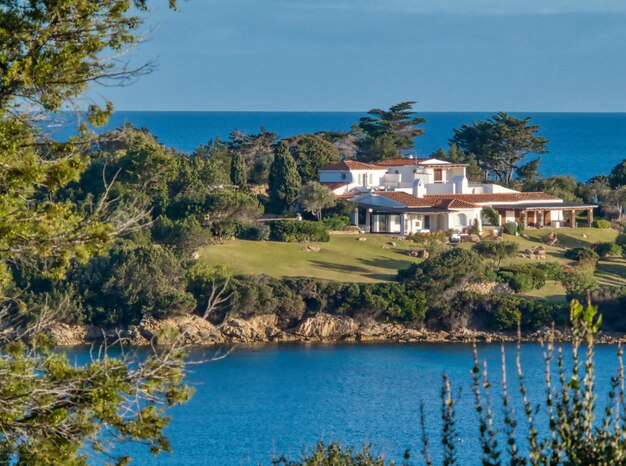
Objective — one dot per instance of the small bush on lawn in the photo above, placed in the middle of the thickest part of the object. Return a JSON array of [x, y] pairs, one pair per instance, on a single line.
[[522, 278], [510, 228], [582, 254], [601, 223], [519, 281], [290, 231], [607, 249]]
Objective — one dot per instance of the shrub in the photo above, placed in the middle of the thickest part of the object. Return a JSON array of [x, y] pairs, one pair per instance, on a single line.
[[496, 250], [607, 249], [337, 222], [254, 232], [520, 281], [582, 254], [290, 231], [579, 280], [184, 235], [601, 223], [510, 228], [621, 239]]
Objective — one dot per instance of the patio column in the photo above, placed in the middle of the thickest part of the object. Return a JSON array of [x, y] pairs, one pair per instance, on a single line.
[[402, 224], [368, 220], [355, 216], [572, 216], [589, 217]]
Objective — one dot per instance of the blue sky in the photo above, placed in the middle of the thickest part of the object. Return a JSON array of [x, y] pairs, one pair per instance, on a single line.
[[449, 55]]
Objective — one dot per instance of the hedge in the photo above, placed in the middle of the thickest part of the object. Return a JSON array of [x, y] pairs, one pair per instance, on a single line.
[[292, 231]]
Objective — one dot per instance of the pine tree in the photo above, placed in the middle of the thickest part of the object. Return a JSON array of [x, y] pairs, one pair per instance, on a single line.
[[284, 181], [239, 171]]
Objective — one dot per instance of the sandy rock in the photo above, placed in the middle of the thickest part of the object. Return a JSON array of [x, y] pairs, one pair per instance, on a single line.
[[361, 238], [311, 248], [258, 328], [327, 327]]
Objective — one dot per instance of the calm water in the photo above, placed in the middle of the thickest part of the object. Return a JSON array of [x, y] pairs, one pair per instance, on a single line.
[[267, 399], [581, 144]]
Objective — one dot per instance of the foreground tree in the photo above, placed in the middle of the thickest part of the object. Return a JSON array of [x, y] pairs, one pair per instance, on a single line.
[[386, 132], [500, 143], [54, 412], [284, 181], [315, 197]]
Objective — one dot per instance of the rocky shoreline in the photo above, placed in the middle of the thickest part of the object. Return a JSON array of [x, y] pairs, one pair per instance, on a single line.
[[194, 330]]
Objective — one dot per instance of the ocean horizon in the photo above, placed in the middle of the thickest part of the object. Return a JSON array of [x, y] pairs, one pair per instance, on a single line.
[[581, 145]]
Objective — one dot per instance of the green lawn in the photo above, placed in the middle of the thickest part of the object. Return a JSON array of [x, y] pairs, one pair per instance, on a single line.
[[343, 258], [346, 259]]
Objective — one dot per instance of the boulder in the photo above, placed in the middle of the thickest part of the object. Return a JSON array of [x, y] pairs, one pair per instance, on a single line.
[[327, 327]]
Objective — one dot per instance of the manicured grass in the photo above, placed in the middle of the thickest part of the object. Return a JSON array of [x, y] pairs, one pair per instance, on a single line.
[[346, 259], [343, 258]]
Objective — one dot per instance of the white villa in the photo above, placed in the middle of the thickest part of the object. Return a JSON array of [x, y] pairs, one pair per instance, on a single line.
[[415, 195]]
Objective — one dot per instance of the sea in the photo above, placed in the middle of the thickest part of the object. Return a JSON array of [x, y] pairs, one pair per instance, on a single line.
[[262, 402], [581, 145]]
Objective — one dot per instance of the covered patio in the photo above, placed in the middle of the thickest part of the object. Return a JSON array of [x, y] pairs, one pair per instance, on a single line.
[[539, 215], [372, 219]]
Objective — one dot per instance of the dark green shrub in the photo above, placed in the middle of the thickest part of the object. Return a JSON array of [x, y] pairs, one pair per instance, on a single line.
[[621, 239], [184, 235], [510, 228], [254, 232], [496, 250], [607, 249], [601, 223], [290, 231], [582, 254], [519, 281]]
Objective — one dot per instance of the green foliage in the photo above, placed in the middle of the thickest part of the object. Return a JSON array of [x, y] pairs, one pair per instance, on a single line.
[[490, 216], [257, 151], [617, 178], [312, 152], [239, 171], [292, 231], [495, 250], [337, 222], [600, 223], [529, 172], [130, 283], [333, 455], [284, 181], [582, 254], [184, 235], [510, 228], [254, 232], [450, 269], [565, 187], [315, 197], [579, 280], [500, 143], [386, 132], [607, 249]]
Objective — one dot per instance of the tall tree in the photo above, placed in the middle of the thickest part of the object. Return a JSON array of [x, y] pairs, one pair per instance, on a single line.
[[56, 412], [384, 133], [257, 151], [284, 181], [312, 152], [500, 143], [239, 171]]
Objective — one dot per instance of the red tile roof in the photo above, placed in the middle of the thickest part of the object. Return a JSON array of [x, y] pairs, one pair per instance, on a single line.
[[455, 204], [351, 165], [405, 198], [332, 185], [400, 162], [494, 198]]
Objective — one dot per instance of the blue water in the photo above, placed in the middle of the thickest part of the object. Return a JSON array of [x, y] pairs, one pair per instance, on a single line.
[[261, 401], [581, 144]]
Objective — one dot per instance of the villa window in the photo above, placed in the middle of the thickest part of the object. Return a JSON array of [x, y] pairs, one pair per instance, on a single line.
[[438, 175], [343, 176]]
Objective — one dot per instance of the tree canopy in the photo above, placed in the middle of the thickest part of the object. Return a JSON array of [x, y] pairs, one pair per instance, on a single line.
[[500, 143], [386, 132]]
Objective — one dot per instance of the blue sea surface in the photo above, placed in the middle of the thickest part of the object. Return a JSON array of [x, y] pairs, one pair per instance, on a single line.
[[263, 401], [581, 144]]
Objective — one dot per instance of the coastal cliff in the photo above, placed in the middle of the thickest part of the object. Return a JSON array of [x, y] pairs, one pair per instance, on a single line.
[[266, 328]]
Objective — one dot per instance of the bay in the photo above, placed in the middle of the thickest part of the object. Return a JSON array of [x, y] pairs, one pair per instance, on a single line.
[[262, 401]]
